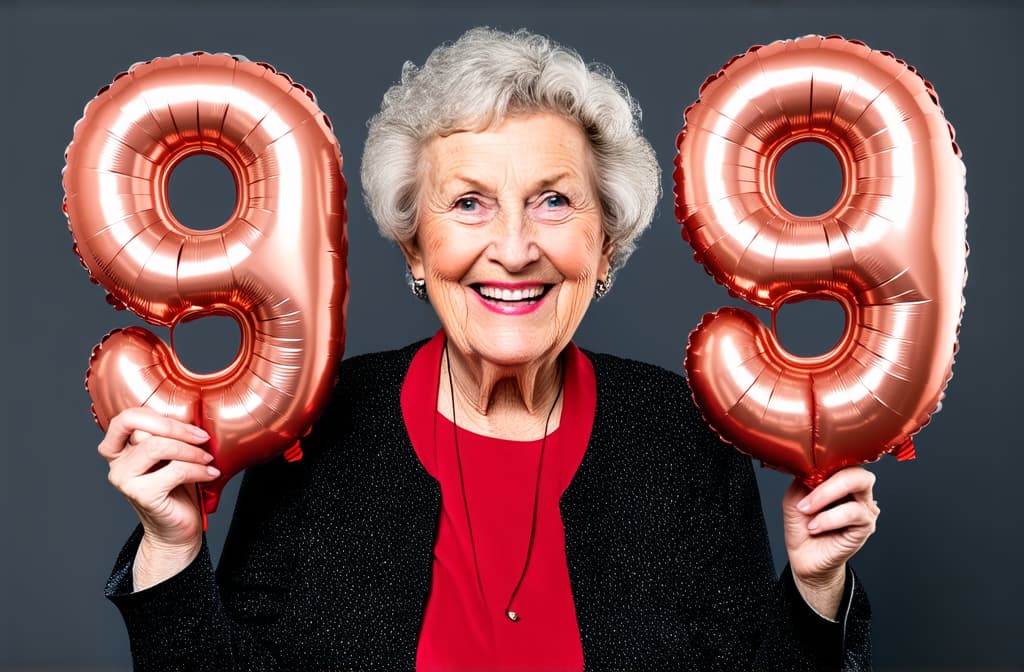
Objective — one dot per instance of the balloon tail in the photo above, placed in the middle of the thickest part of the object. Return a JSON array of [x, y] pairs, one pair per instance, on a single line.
[[202, 507], [293, 454], [201, 497], [905, 451]]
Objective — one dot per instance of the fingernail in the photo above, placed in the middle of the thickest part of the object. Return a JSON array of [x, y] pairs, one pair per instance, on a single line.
[[813, 525], [199, 433], [804, 505], [213, 471], [207, 457]]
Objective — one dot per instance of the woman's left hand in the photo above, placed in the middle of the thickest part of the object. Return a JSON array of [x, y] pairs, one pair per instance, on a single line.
[[824, 527]]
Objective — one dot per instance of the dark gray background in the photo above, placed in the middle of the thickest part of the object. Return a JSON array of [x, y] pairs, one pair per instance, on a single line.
[[943, 571]]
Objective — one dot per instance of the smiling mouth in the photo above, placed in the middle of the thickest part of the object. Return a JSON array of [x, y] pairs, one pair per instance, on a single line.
[[518, 296]]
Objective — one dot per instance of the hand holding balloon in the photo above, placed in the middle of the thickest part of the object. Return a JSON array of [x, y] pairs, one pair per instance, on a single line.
[[156, 462], [823, 529]]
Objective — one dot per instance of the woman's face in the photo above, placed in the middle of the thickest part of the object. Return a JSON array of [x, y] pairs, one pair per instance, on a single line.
[[510, 240]]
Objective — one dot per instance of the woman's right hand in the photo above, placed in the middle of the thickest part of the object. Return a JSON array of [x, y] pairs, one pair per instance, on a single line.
[[155, 462]]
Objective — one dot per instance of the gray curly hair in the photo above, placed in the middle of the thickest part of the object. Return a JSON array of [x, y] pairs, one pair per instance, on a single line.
[[476, 82]]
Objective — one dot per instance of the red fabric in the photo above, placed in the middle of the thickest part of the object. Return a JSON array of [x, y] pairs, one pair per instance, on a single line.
[[462, 628]]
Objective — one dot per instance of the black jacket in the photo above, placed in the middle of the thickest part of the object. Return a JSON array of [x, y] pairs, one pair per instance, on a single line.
[[327, 562]]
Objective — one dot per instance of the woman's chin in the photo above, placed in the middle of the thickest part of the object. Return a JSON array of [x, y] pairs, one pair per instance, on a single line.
[[512, 351], [512, 360]]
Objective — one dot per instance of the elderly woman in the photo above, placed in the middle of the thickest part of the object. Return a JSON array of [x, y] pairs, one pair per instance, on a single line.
[[494, 498]]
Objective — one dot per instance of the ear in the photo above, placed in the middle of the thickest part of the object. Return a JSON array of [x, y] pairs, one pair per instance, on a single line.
[[411, 252], [605, 265]]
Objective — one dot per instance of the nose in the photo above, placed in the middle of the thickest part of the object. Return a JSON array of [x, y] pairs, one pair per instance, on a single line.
[[515, 245]]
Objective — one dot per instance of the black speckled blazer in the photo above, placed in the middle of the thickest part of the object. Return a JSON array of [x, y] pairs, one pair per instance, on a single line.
[[327, 562]]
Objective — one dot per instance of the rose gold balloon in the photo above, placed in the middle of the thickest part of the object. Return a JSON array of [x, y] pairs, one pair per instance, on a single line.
[[277, 266], [891, 252]]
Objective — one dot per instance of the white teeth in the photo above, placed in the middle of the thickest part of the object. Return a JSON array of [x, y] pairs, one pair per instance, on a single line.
[[500, 294]]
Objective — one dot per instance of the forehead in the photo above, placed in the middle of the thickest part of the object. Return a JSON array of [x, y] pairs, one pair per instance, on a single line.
[[534, 147]]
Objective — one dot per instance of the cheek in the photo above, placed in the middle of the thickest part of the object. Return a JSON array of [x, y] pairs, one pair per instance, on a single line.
[[445, 266], [447, 261], [439, 257], [578, 264], [577, 256]]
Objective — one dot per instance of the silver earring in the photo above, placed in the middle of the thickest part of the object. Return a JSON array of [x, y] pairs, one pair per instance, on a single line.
[[601, 287], [419, 288]]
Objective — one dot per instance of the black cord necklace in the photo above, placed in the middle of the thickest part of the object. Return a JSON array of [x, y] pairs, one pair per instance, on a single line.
[[509, 612]]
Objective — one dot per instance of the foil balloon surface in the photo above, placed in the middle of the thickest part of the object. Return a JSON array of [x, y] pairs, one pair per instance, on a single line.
[[891, 251], [277, 266]]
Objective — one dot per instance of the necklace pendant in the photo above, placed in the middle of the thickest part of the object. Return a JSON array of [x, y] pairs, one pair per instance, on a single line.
[[512, 616]]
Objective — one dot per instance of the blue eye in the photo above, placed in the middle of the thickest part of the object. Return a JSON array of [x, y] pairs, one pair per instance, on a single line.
[[556, 201], [466, 204]]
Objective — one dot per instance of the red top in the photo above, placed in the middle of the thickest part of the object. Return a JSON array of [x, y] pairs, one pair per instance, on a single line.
[[464, 629]]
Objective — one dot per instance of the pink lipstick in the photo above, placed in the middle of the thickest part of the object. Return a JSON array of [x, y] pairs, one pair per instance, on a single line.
[[512, 298]]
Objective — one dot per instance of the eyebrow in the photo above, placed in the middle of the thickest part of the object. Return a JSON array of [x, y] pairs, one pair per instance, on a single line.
[[476, 185]]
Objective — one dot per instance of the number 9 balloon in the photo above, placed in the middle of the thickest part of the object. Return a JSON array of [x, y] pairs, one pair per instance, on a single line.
[[891, 252], [277, 266]]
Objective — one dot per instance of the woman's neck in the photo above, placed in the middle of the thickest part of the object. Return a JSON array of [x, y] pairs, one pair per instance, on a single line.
[[502, 402]]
